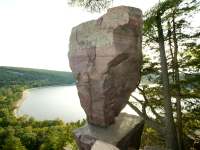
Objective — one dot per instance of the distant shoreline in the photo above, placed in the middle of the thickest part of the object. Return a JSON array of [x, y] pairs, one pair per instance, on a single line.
[[20, 101], [49, 86]]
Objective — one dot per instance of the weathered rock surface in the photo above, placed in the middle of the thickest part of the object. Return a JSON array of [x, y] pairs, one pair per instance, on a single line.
[[105, 56], [125, 133], [99, 145]]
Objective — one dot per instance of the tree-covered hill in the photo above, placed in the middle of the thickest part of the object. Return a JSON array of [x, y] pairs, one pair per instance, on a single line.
[[33, 77]]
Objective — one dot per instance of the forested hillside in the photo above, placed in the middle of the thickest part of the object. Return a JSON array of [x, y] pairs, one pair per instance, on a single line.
[[33, 77]]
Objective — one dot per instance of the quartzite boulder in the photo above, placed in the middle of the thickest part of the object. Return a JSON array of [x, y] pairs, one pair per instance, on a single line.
[[106, 56]]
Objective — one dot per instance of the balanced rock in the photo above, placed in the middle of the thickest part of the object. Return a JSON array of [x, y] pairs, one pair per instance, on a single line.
[[105, 57]]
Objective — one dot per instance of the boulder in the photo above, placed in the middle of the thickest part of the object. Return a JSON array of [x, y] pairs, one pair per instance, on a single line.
[[105, 57]]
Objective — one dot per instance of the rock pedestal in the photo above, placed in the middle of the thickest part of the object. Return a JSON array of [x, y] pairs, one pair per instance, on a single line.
[[125, 133], [106, 57]]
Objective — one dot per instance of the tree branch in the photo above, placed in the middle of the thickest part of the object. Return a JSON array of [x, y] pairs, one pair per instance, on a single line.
[[150, 122], [151, 107]]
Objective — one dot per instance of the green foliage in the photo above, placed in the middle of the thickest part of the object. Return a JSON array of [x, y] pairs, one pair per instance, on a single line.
[[13, 143], [26, 133], [192, 55], [91, 5], [151, 137], [178, 14]]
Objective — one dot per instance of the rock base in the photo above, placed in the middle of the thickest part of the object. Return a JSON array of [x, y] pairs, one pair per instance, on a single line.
[[125, 133]]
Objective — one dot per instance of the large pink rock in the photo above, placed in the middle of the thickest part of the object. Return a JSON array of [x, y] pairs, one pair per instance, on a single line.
[[106, 56]]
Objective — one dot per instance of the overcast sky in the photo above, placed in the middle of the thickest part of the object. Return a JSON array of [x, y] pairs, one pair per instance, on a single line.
[[35, 33]]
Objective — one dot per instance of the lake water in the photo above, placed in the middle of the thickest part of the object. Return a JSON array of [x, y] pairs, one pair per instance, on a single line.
[[50, 103]]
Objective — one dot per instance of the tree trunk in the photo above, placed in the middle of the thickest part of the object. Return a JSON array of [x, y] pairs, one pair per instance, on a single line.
[[170, 128], [170, 49], [177, 85]]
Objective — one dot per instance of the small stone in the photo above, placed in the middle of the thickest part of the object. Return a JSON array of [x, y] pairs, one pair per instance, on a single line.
[[100, 145]]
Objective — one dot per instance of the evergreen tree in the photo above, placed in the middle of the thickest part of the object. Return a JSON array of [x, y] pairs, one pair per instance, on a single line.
[[164, 27]]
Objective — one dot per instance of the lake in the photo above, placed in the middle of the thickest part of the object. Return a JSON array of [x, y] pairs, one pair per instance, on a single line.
[[49, 103]]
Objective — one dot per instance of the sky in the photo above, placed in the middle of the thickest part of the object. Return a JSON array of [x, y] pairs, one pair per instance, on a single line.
[[35, 33]]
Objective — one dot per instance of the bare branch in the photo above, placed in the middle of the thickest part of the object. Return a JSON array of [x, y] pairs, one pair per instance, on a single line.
[[151, 107], [152, 123]]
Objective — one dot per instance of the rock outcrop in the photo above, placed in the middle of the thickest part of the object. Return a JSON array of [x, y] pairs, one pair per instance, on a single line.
[[106, 56], [125, 133]]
